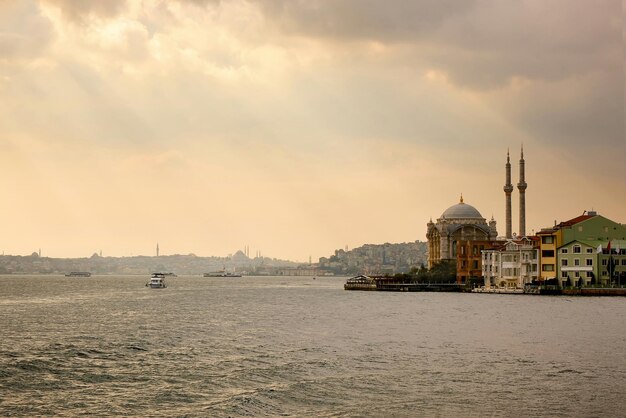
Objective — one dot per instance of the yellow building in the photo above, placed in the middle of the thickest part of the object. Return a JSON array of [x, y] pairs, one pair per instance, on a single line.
[[552, 239]]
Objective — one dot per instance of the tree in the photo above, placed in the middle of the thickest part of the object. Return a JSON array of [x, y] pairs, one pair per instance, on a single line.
[[443, 272], [569, 282]]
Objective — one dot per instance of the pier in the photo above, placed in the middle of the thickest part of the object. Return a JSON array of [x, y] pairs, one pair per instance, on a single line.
[[391, 284], [419, 287]]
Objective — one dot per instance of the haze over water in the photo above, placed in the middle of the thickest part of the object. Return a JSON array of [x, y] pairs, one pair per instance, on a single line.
[[302, 347]]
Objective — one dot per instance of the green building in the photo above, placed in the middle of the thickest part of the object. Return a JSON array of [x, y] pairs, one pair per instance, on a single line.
[[592, 253], [592, 263]]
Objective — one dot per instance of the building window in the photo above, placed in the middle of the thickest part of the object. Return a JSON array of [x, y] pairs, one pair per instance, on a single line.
[[604, 262], [623, 261], [589, 274], [589, 250], [547, 240], [576, 249], [577, 274], [563, 250], [547, 267], [547, 253], [580, 229], [463, 250], [475, 266], [564, 274], [577, 262], [589, 262], [564, 262]]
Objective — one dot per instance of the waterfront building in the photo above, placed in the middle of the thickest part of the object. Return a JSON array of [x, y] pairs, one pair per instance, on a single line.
[[469, 258], [592, 262], [460, 222], [511, 265], [588, 227], [549, 240]]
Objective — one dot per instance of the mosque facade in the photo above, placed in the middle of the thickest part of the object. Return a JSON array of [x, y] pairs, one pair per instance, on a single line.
[[460, 222], [462, 226]]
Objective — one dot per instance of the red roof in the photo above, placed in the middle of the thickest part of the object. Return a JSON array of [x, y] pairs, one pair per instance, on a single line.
[[576, 220]]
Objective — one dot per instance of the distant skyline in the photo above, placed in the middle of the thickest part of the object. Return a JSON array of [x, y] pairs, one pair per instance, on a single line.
[[297, 128]]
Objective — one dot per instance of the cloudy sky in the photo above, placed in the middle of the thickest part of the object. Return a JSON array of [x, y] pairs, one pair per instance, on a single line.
[[299, 126]]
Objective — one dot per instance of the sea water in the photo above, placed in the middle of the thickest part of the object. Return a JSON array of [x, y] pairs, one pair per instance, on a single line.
[[295, 346]]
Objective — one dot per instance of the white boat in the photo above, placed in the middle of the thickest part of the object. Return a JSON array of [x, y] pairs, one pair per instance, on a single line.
[[157, 281]]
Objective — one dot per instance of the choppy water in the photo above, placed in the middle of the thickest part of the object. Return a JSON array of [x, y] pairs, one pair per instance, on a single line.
[[301, 347]]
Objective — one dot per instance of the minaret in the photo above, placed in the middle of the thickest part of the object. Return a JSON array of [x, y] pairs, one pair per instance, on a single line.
[[157, 249], [508, 189], [521, 186]]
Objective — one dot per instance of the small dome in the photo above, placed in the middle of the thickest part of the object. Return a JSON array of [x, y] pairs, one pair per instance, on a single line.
[[461, 210]]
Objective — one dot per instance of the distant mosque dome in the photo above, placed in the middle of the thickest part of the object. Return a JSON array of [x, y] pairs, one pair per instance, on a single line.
[[460, 223], [240, 256], [461, 211]]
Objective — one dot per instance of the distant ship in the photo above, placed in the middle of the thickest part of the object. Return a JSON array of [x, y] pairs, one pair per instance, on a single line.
[[78, 274], [157, 281], [221, 273]]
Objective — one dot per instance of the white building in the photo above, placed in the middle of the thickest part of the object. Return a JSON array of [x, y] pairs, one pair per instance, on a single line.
[[511, 266]]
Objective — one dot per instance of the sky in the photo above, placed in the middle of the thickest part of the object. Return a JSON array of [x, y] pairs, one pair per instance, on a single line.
[[297, 127]]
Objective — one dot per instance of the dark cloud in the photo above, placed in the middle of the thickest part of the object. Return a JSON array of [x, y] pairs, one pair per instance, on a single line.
[[534, 40], [201, 2], [480, 43], [567, 56], [361, 19], [25, 33], [77, 10], [580, 114]]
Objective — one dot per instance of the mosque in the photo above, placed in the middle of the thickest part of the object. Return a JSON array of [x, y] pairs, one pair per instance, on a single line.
[[461, 222], [461, 231]]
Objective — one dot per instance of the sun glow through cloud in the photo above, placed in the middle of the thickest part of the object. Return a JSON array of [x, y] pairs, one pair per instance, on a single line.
[[295, 129]]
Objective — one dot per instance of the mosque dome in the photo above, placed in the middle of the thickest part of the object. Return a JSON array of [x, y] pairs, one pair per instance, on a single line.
[[461, 211]]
